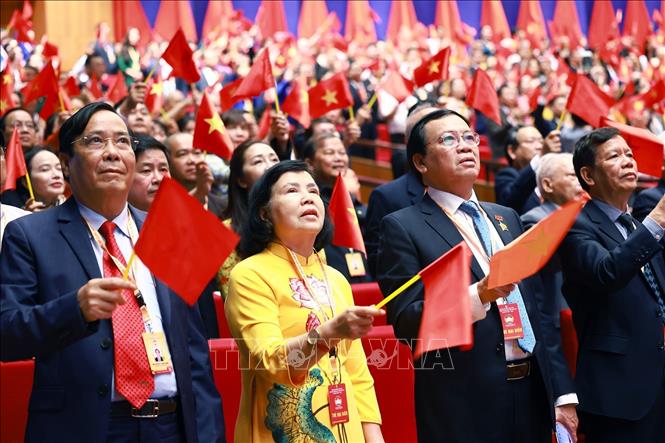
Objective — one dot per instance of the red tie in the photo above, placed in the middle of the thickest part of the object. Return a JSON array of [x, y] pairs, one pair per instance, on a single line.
[[133, 378]]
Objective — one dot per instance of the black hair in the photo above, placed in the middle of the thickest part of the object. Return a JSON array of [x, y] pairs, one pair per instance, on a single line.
[[234, 117], [314, 143], [182, 122], [257, 232], [89, 57], [421, 104], [416, 143], [31, 153], [74, 126], [145, 143], [511, 140], [9, 111], [236, 209], [310, 131], [586, 149]]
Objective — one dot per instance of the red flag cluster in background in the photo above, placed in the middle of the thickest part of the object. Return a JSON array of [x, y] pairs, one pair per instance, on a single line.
[[328, 95], [258, 79], [588, 101], [482, 96], [15, 162], [179, 55], [647, 148], [434, 69], [345, 221], [209, 132]]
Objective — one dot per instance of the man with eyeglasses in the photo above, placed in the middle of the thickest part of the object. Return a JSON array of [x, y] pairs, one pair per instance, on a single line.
[[515, 186], [504, 389], [27, 130], [92, 333]]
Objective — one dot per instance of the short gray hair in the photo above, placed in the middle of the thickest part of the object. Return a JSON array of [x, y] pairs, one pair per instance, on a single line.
[[548, 165]]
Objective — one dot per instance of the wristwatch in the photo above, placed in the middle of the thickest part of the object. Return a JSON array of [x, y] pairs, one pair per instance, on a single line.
[[313, 336]]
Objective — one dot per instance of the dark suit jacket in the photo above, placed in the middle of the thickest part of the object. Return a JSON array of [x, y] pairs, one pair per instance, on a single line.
[[405, 191], [515, 189], [45, 259], [647, 200], [620, 362], [459, 396]]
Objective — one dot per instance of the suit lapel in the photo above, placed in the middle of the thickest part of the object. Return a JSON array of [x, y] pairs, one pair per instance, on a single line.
[[597, 216], [439, 222], [501, 225], [77, 236]]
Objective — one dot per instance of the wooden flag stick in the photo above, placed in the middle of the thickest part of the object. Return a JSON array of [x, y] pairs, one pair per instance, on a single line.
[[125, 273], [29, 183], [398, 291], [351, 116], [62, 103], [371, 101], [561, 119], [276, 96], [152, 71]]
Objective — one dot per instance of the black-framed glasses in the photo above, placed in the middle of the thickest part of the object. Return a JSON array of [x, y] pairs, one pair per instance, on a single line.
[[96, 142], [452, 139]]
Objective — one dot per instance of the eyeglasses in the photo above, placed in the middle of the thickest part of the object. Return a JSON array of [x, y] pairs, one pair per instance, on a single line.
[[26, 125], [451, 139], [97, 142]]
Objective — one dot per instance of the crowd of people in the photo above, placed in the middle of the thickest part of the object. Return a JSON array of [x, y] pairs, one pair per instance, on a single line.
[[96, 164]]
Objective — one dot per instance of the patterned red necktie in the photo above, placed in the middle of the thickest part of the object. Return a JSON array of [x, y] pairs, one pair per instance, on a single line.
[[133, 378]]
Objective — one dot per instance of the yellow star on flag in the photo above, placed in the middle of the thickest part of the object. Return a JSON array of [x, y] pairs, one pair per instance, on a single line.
[[6, 79], [355, 216], [434, 67], [215, 124], [304, 97], [157, 88], [638, 105], [3, 106], [330, 97]]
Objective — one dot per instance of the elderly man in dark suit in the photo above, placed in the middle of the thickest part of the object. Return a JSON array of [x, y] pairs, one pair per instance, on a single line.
[[504, 388], [614, 282], [94, 335]]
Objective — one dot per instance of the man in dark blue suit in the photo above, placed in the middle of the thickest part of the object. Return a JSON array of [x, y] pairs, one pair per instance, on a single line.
[[515, 185], [504, 389], [614, 277], [62, 302]]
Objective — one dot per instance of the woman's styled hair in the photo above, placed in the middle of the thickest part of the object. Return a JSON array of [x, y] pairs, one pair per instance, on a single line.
[[257, 232], [236, 209]]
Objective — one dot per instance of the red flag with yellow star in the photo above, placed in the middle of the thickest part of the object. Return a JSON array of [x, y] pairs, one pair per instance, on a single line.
[[529, 252], [296, 104], [226, 99], [258, 79], [209, 133], [180, 57], [153, 96], [44, 85], [329, 95], [482, 96], [6, 89], [343, 215], [118, 89], [436, 68], [587, 101], [15, 162]]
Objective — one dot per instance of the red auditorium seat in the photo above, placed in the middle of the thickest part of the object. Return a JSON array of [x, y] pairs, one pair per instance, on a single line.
[[15, 385], [569, 339], [226, 373], [367, 294], [222, 326]]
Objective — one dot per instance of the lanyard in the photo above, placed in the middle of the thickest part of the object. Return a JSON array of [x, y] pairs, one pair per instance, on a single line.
[[133, 236]]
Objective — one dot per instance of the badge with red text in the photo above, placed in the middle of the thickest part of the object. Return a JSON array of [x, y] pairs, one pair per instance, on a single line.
[[354, 261], [511, 321], [339, 410]]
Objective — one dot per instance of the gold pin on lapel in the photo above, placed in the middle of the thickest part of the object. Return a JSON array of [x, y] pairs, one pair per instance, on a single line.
[[502, 225]]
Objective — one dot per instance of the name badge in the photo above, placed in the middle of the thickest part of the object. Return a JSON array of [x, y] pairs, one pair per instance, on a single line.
[[339, 410], [354, 261], [158, 352], [511, 321]]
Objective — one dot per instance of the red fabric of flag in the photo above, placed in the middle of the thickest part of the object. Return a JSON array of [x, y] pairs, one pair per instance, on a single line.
[[175, 241], [493, 15], [49, 50], [603, 25], [396, 85], [360, 20], [434, 69], [446, 319], [313, 15], [175, 14], [118, 89], [647, 148], [530, 20], [636, 22], [270, 18], [93, 87], [6, 90], [567, 23], [15, 162], [402, 14], [296, 104], [217, 20], [587, 101], [342, 213], [329, 95], [154, 92], [180, 56], [21, 25], [264, 124], [482, 96], [130, 14], [210, 133], [226, 98], [44, 85], [529, 252], [258, 79]]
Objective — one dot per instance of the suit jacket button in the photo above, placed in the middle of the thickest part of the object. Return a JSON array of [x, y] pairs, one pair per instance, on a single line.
[[103, 390], [105, 343], [499, 347]]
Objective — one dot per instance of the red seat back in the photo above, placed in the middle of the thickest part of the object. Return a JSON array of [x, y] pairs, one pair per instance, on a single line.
[[569, 339], [367, 294], [15, 386], [222, 326]]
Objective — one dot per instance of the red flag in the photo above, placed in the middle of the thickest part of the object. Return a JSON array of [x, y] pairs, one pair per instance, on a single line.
[[179, 55], [130, 14], [533, 98], [15, 162], [329, 95], [494, 16], [567, 22], [446, 319], [226, 99], [447, 20], [636, 21], [175, 240], [44, 85], [603, 24], [360, 20], [482, 96], [49, 50], [71, 87], [209, 132], [175, 14], [313, 15], [402, 14], [155, 90], [26, 12], [647, 148], [218, 16], [21, 25], [529, 252], [94, 88], [6, 90], [264, 124], [118, 89], [530, 19], [396, 85], [436, 68], [587, 101], [258, 79], [270, 18], [343, 216], [296, 104]]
